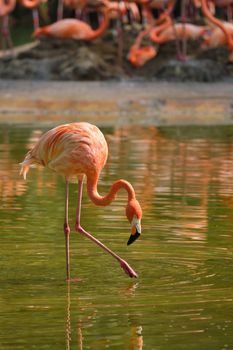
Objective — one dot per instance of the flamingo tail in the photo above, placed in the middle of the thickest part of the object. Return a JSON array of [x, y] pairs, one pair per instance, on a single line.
[[25, 165]]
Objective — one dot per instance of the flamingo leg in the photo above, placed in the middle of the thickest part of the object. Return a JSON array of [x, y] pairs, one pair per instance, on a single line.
[[35, 16], [184, 39], [6, 33], [119, 42], [60, 10], [176, 41], [67, 232], [125, 266]]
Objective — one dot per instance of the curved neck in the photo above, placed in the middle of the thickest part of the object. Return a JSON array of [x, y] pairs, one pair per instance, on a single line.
[[97, 199], [217, 22], [103, 26], [169, 10], [156, 31], [140, 37]]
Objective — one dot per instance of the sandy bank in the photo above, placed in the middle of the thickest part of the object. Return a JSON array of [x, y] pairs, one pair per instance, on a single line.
[[109, 103]]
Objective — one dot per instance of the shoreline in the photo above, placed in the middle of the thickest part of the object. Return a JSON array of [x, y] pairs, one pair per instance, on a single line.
[[116, 103]]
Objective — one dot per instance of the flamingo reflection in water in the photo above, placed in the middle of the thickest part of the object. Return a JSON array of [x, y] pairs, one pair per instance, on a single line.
[[76, 150], [88, 318]]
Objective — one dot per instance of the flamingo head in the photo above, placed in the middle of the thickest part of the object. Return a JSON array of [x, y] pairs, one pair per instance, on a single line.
[[134, 215], [138, 57]]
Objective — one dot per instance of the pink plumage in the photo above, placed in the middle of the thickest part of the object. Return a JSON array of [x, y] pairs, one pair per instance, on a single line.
[[70, 150], [76, 150]]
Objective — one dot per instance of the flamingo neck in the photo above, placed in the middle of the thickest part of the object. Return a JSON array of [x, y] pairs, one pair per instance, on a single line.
[[168, 11], [157, 31], [103, 26], [140, 37], [97, 199]]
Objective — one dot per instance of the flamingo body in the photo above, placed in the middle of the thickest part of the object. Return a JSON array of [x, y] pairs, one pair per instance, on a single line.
[[187, 30], [215, 37], [76, 150], [73, 29], [66, 28], [177, 31], [70, 150]]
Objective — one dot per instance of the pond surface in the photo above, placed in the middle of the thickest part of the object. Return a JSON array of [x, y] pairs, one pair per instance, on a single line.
[[183, 297]]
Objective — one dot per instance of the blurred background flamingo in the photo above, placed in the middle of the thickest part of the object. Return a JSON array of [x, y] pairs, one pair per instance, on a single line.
[[146, 24]]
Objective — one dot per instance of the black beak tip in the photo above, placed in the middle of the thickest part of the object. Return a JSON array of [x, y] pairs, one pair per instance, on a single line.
[[133, 238]]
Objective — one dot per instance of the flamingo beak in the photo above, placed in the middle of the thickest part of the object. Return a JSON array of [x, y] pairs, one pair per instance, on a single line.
[[135, 232]]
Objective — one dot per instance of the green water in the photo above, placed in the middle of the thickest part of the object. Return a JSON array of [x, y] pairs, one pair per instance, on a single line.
[[183, 297]]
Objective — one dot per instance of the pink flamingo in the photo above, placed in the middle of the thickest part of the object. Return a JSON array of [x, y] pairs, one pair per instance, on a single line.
[[168, 32], [74, 29], [138, 55], [75, 150]]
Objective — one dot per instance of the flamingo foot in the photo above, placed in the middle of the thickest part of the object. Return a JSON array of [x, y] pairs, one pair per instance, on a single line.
[[125, 266], [128, 270]]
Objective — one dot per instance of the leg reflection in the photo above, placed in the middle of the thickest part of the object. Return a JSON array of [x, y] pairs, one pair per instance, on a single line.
[[87, 316], [68, 325]]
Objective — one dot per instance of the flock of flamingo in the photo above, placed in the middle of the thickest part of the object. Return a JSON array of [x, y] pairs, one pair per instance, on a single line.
[[161, 21]]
